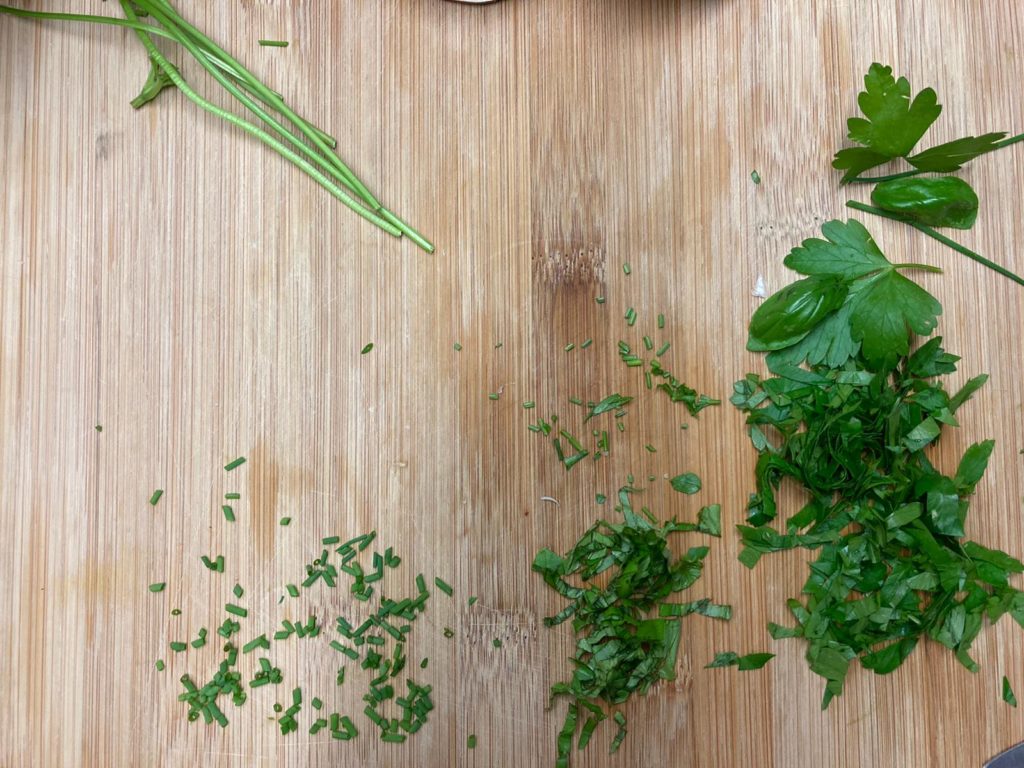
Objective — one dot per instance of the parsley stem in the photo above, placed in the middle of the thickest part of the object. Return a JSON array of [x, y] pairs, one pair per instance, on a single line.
[[937, 236], [890, 177], [1008, 141]]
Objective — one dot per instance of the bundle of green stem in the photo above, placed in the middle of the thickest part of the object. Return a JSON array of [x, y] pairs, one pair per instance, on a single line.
[[288, 134]]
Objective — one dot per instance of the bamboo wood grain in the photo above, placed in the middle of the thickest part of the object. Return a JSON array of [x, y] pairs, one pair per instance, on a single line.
[[170, 280]]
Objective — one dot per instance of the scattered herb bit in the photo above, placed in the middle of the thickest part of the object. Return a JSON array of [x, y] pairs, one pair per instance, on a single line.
[[687, 483], [366, 348], [681, 393], [449, 633], [229, 513], [615, 402], [471, 741], [586, 343], [457, 347], [599, 299], [601, 498], [569, 347], [527, 405], [650, 448], [274, 43], [156, 496], [745, 663], [755, 177], [493, 396], [232, 496], [158, 586], [442, 585], [236, 610], [496, 643], [663, 348], [176, 612], [1008, 695], [630, 317], [99, 427], [285, 521], [238, 591], [177, 646], [626, 269], [160, 666], [472, 600]]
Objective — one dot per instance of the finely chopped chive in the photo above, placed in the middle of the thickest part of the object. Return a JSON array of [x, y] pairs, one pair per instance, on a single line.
[[471, 741], [443, 585], [160, 665], [237, 610], [175, 611], [449, 633], [499, 345], [457, 347], [158, 586], [235, 464], [423, 664], [493, 396], [238, 590], [599, 299], [496, 643], [232, 496], [755, 177], [229, 513], [99, 427], [648, 344], [258, 642], [274, 43], [627, 269], [630, 317], [650, 448], [569, 347], [529, 404], [586, 343], [292, 590], [366, 349], [156, 496], [472, 600], [661, 321], [663, 348], [575, 401]]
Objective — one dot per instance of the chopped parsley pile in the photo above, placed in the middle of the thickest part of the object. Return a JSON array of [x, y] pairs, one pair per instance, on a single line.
[[628, 632], [848, 414]]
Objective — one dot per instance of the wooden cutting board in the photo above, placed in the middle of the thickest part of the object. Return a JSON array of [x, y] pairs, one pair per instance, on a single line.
[[167, 278]]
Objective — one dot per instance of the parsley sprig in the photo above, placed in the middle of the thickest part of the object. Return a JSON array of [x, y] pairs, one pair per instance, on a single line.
[[892, 125]]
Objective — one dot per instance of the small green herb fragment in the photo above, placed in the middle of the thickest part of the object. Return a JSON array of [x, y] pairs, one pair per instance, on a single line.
[[366, 348], [235, 464], [156, 496], [274, 43], [745, 663], [755, 177], [157, 587], [1008, 695], [687, 483]]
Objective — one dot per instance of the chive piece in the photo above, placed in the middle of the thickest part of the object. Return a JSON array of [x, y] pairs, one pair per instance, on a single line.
[[528, 404], [229, 514], [586, 343], [575, 401], [1008, 695], [471, 741], [274, 43], [393, 737], [647, 380], [499, 345], [648, 344], [177, 646], [366, 349], [457, 347], [423, 664], [237, 610], [599, 299], [218, 566], [601, 498], [156, 496], [158, 586], [160, 665], [443, 585], [232, 496], [630, 317], [755, 177], [238, 590], [569, 347], [235, 464], [496, 643], [661, 321], [627, 269], [472, 600], [316, 703], [449, 633], [494, 396], [663, 348], [292, 590], [650, 448], [175, 611], [99, 427], [330, 540], [258, 642]]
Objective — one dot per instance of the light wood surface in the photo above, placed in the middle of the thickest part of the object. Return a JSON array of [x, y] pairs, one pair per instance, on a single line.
[[167, 278]]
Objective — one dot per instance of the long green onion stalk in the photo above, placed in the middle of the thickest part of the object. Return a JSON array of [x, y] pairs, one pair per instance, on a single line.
[[287, 133]]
